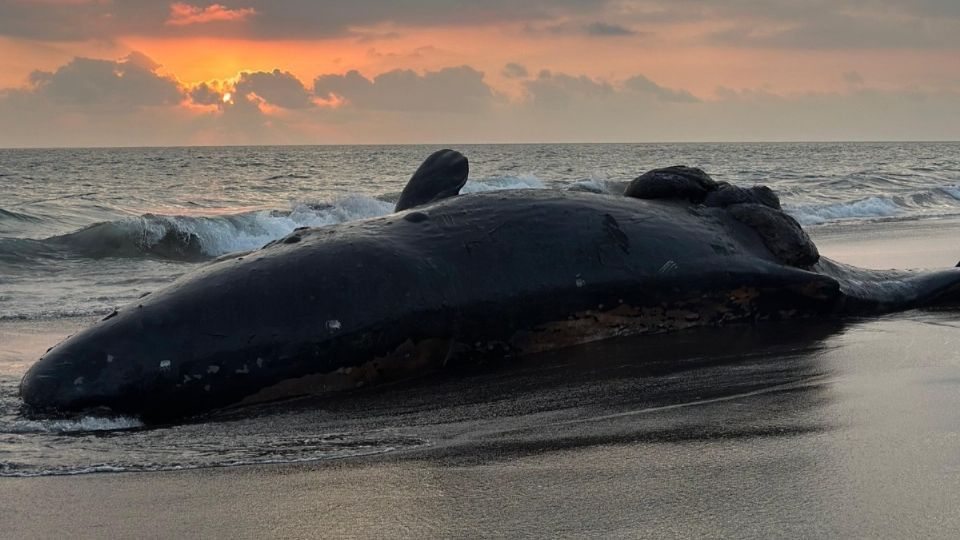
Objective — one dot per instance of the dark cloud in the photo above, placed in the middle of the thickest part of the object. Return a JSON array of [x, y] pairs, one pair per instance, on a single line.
[[642, 84], [559, 90], [265, 19], [183, 14], [832, 31], [81, 20], [821, 24], [746, 23], [276, 87], [602, 29], [127, 102], [853, 78], [454, 89], [515, 71], [130, 82], [204, 94]]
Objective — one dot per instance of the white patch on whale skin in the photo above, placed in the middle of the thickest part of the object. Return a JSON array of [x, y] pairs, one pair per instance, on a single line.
[[334, 325], [109, 358], [78, 381], [165, 364], [668, 267], [244, 370], [213, 369]]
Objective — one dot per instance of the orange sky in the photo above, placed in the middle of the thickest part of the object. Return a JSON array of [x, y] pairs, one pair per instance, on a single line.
[[697, 68], [697, 49]]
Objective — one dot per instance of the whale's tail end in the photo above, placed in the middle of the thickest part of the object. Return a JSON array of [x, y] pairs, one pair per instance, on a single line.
[[884, 291]]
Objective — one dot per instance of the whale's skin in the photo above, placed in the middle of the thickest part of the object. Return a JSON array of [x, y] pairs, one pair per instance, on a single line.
[[497, 274]]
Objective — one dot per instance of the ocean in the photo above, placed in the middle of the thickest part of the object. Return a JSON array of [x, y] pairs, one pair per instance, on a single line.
[[83, 231]]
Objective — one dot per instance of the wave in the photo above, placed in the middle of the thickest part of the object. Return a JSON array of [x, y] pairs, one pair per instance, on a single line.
[[79, 425], [498, 183], [941, 201], [191, 238], [871, 207], [17, 216], [198, 238], [29, 313], [185, 448], [287, 175]]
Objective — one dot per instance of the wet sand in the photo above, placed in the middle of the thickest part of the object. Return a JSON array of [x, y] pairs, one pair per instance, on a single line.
[[830, 430]]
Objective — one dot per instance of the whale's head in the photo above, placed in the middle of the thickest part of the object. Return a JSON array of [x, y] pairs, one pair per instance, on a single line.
[[90, 370], [119, 364]]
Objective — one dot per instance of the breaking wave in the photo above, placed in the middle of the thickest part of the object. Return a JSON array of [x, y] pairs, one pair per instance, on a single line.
[[503, 182], [872, 207], [192, 238], [942, 201], [197, 238], [79, 425]]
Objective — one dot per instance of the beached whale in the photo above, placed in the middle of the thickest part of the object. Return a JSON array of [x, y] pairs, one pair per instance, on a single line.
[[496, 274]]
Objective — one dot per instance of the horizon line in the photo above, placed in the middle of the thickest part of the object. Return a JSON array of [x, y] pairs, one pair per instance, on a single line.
[[564, 143]]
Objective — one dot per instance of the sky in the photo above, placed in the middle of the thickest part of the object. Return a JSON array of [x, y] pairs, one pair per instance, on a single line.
[[157, 73]]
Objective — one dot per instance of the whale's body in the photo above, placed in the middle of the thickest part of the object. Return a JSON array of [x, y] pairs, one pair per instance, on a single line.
[[501, 273]]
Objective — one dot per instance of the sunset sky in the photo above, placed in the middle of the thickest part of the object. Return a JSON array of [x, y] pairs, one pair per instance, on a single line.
[[137, 72]]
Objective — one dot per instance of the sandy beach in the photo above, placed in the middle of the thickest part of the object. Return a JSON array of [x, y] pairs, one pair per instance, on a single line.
[[796, 429]]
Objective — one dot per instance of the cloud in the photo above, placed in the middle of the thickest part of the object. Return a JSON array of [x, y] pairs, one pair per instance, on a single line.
[[853, 78], [453, 89], [515, 71], [559, 90], [205, 94], [811, 24], [265, 19], [821, 24], [602, 29], [130, 82], [643, 85], [92, 102], [182, 14], [280, 88]]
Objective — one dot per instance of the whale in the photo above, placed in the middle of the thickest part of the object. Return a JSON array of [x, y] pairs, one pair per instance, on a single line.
[[456, 279]]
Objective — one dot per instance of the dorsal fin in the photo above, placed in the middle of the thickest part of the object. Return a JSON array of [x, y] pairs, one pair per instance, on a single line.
[[440, 176]]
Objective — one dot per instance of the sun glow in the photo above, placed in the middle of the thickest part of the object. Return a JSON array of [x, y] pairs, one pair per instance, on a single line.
[[227, 96]]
